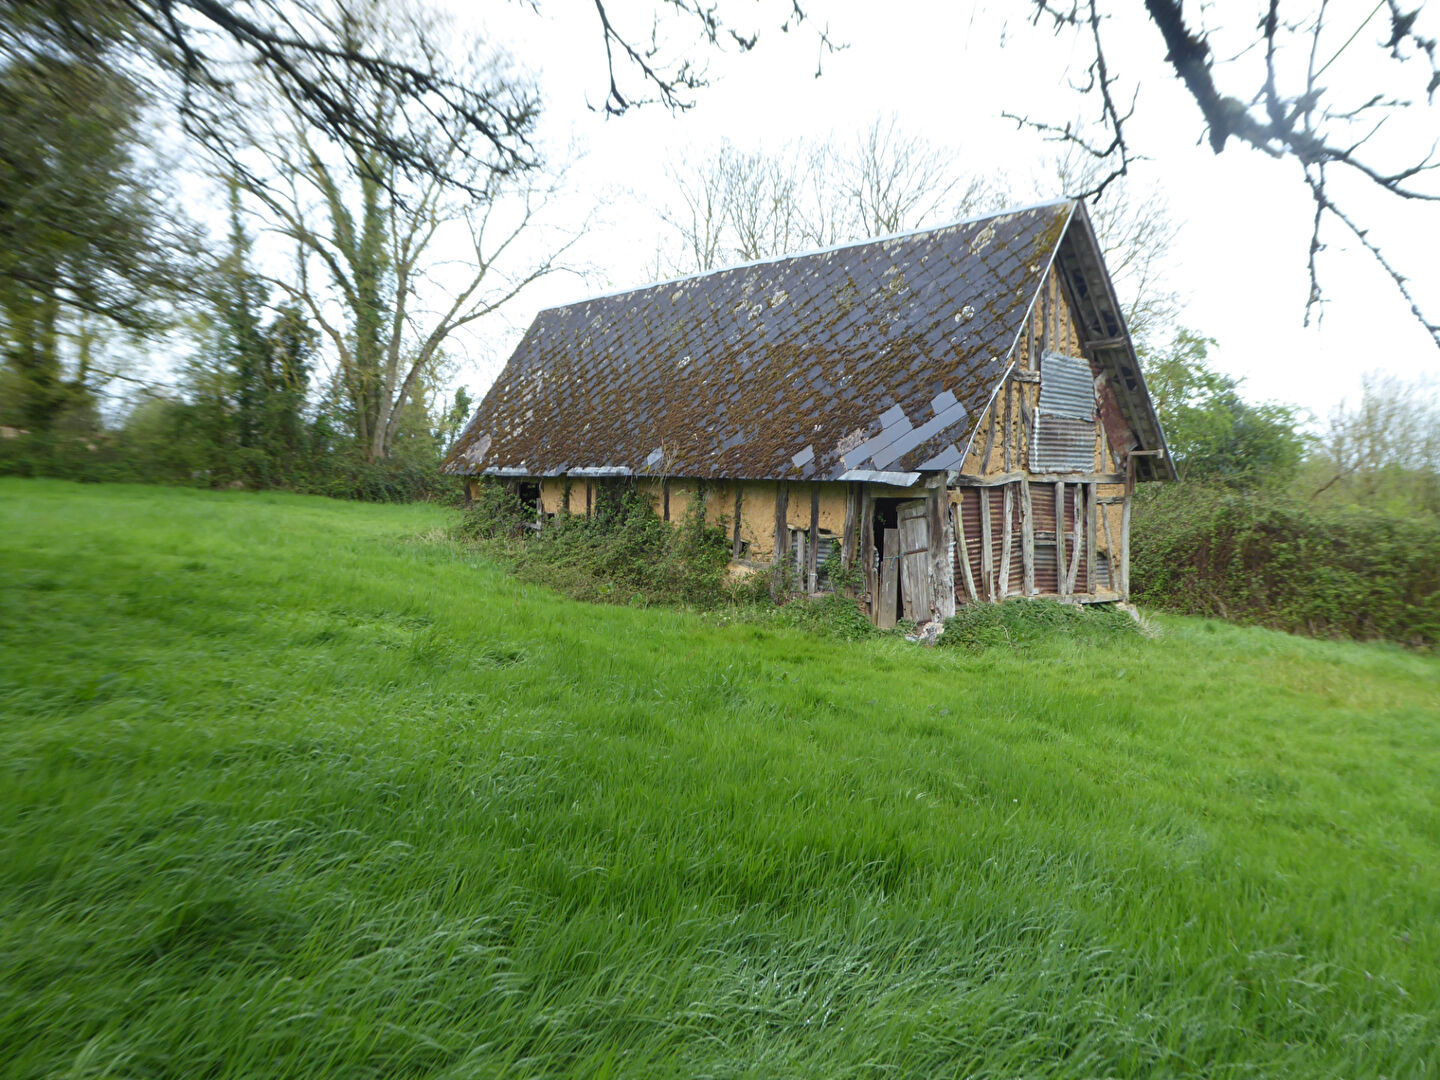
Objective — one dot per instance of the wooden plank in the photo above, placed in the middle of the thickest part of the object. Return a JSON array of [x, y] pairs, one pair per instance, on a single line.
[[914, 551], [1125, 550], [665, 497], [867, 550], [959, 516], [1111, 563], [587, 498], [1090, 586], [849, 536], [1027, 540], [989, 441], [1060, 537], [1022, 459], [812, 550], [1077, 539], [885, 615], [739, 502], [942, 554], [1006, 541], [987, 555], [782, 536], [1009, 432]]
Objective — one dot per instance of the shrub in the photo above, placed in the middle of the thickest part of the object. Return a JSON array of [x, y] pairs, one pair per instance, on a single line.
[[1027, 624], [1264, 559]]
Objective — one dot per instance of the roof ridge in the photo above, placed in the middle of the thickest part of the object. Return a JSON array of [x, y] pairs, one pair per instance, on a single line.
[[815, 251]]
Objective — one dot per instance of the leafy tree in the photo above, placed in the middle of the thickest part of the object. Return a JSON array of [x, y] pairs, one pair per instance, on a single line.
[[1214, 433], [84, 239]]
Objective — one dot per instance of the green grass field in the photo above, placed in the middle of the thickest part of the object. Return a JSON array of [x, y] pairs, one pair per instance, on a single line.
[[296, 788]]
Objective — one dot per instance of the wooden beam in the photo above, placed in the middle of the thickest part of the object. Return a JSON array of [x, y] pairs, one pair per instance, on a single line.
[[587, 498], [664, 496], [987, 557], [1125, 550], [973, 480], [1077, 540], [849, 536], [1060, 537], [885, 613], [1090, 538], [739, 502], [1006, 541], [959, 514], [1009, 432], [942, 562], [867, 547], [1027, 541], [1111, 566], [782, 530], [812, 550]]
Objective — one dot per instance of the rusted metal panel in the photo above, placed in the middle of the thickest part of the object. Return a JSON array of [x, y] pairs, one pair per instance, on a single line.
[[877, 356]]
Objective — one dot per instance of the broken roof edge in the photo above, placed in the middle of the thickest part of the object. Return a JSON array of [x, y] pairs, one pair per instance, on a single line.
[[909, 477], [1090, 237], [973, 219]]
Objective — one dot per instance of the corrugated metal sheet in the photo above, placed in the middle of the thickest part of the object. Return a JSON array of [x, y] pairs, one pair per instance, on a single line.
[[1062, 444], [876, 356], [1067, 387]]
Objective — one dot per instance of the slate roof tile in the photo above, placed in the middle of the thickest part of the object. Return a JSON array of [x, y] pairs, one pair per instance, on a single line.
[[764, 371]]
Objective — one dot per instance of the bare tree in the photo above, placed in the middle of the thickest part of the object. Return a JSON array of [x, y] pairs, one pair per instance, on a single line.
[[390, 264], [734, 206], [1136, 233], [1384, 448], [1272, 95]]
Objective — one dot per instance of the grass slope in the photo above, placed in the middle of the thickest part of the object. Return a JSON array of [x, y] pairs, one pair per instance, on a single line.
[[290, 792]]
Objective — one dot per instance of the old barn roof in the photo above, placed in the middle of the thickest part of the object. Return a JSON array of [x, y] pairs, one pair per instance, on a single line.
[[874, 356]]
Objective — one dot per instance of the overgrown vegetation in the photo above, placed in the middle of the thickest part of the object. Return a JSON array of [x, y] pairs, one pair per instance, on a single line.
[[1265, 559], [1030, 624], [625, 553], [289, 791]]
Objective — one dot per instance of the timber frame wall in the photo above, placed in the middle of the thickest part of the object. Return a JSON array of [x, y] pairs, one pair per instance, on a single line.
[[991, 530]]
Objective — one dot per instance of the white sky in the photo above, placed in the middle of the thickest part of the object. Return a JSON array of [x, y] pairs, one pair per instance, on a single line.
[[947, 71]]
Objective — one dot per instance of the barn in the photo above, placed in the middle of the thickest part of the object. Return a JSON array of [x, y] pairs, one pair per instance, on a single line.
[[956, 414]]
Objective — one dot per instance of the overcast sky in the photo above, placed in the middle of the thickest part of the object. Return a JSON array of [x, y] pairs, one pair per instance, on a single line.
[[947, 71]]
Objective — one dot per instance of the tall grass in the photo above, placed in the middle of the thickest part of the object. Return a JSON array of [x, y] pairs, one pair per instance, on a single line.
[[291, 790]]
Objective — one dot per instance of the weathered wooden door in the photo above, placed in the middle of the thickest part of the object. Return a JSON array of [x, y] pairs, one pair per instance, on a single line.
[[915, 600], [885, 614]]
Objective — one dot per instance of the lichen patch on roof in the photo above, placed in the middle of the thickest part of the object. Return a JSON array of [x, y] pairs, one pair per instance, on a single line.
[[877, 356]]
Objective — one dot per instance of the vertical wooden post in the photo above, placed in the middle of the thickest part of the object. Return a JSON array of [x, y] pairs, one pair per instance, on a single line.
[[812, 551], [1060, 537], [987, 554], [848, 537], [1125, 549], [1027, 540], [1006, 541], [1005, 389], [867, 548], [965, 547], [941, 559], [588, 500], [1090, 528], [665, 496], [782, 529], [885, 601], [739, 502], [1077, 538]]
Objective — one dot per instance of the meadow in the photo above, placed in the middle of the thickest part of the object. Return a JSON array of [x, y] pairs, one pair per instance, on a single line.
[[296, 787]]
